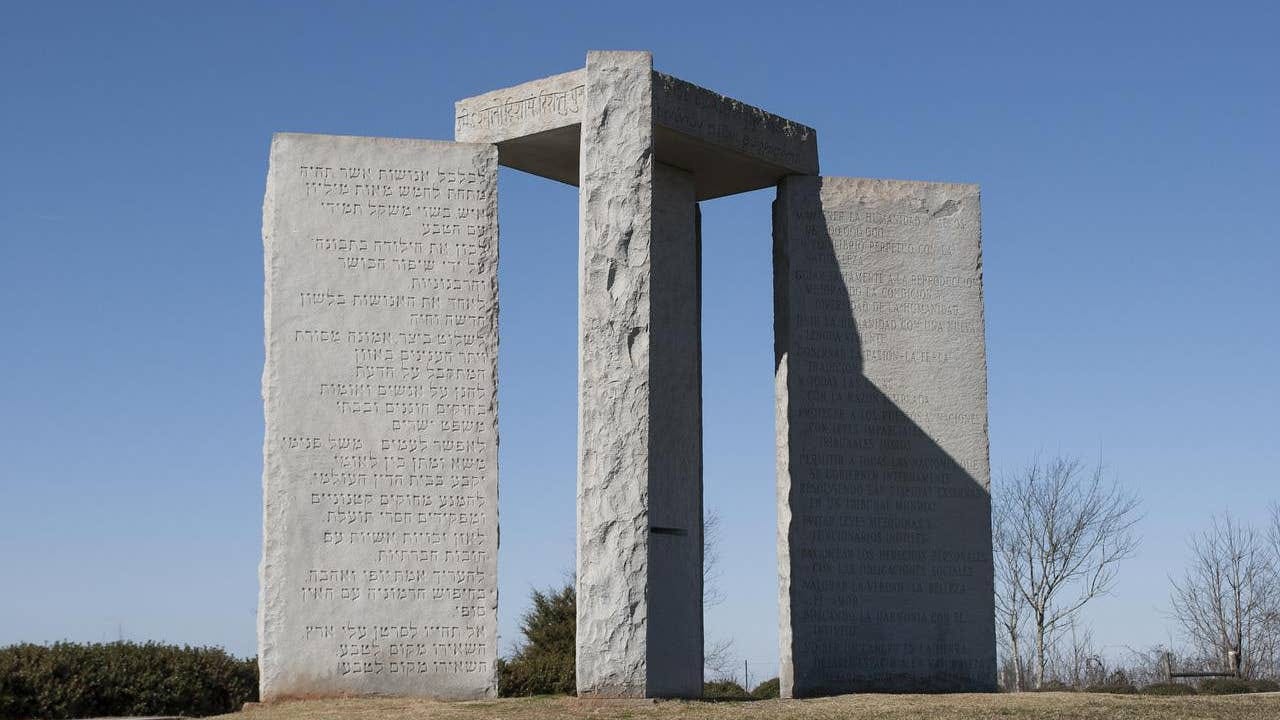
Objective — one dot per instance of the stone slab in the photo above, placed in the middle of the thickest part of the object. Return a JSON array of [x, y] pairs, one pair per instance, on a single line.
[[380, 531], [615, 222], [728, 146], [536, 125], [675, 439], [884, 524], [639, 474]]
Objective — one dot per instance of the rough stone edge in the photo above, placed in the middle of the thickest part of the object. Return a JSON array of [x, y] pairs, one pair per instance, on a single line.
[[272, 513], [615, 187], [782, 421]]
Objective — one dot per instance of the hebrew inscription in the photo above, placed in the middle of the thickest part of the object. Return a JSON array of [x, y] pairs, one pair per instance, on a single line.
[[380, 482], [884, 504]]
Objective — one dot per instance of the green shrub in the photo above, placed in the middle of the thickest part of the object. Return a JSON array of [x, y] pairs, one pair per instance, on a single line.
[[1120, 689], [1054, 686], [767, 690], [1170, 688], [544, 663], [724, 690], [1117, 683], [1264, 686], [1224, 686], [67, 680]]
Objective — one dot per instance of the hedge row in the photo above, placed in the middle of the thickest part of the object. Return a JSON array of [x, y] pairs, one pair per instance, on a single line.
[[731, 690], [1208, 686], [69, 680]]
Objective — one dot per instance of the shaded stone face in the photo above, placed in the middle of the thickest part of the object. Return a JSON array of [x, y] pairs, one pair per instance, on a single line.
[[883, 474], [380, 531]]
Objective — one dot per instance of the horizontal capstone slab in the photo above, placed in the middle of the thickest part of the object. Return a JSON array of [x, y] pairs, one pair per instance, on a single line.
[[727, 145]]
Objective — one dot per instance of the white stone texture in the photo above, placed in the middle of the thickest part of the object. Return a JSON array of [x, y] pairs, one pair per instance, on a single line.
[[615, 206], [526, 109], [884, 528], [639, 481], [380, 522]]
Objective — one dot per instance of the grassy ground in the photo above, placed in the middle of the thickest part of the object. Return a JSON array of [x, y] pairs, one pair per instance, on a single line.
[[1038, 706]]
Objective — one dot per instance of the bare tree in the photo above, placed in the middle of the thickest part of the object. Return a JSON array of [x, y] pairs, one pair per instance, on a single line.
[[1227, 599], [1074, 660], [717, 655], [1273, 533], [1147, 666], [1271, 651], [1067, 531], [1011, 607], [711, 533], [717, 659]]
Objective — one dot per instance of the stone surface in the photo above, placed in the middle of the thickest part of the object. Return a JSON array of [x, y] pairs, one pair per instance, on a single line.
[[883, 475], [380, 476], [639, 479], [728, 146], [675, 439], [536, 125]]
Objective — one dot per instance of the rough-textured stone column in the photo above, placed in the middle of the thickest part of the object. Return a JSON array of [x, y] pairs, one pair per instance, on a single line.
[[380, 480], [639, 576], [884, 511]]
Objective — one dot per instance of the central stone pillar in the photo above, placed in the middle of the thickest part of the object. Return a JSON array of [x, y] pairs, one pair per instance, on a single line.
[[643, 147], [639, 563]]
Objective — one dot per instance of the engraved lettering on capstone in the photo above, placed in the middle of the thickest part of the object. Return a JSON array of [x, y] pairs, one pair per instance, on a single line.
[[510, 111]]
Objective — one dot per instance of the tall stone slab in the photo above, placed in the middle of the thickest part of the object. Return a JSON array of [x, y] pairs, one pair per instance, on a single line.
[[884, 526], [380, 531], [639, 567]]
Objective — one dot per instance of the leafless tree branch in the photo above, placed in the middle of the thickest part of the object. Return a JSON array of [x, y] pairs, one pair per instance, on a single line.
[[1060, 534], [1228, 600]]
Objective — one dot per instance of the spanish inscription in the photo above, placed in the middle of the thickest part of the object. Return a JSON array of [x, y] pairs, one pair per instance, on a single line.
[[883, 467], [380, 482]]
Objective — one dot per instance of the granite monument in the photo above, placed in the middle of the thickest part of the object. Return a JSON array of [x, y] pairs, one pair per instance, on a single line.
[[380, 480]]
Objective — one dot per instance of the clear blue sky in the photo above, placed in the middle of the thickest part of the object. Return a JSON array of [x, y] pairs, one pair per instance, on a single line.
[[1129, 161]]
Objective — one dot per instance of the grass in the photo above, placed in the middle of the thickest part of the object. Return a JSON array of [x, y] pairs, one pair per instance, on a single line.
[[1030, 706]]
